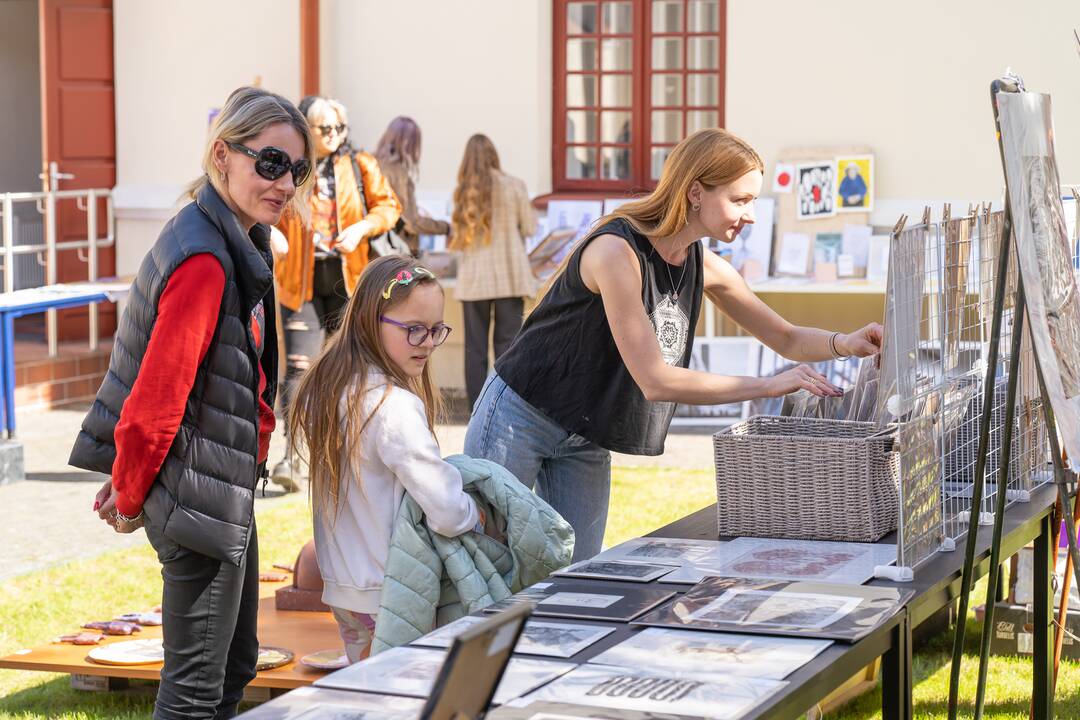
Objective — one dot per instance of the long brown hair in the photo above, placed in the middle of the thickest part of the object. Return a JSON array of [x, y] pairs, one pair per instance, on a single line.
[[712, 156], [471, 221], [343, 369], [401, 143]]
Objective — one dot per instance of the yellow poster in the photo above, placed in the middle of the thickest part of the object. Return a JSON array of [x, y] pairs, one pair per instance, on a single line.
[[855, 183]]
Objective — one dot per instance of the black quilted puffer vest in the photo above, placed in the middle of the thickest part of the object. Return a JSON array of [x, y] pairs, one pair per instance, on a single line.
[[203, 496]]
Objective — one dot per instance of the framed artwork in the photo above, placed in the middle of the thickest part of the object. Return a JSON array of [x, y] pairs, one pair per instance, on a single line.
[[670, 551], [815, 190], [854, 183], [576, 215], [783, 178], [720, 356], [587, 600], [726, 697], [795, 255], [780, 607], [1046, 253], [411, 671], [540, 637], [693, 651], [314, 703], [614, 570]]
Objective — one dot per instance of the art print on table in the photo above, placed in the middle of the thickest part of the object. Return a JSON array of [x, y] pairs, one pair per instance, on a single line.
[[313, 703], [539, 637], [673, 551], [771, 607], [694, 651], [1045, 252], [615, 570], [815, 190], [411, 671], [523, 710], [855, 183], [581, 599], [726, 697]]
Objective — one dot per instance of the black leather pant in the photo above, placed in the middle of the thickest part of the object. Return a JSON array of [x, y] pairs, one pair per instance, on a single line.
[[209, 615], [477, 314]]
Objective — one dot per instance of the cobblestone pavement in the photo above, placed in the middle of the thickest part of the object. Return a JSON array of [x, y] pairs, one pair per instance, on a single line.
[[49, 516]]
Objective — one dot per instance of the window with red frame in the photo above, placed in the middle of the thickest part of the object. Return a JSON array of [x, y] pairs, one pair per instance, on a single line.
[[632, 79]]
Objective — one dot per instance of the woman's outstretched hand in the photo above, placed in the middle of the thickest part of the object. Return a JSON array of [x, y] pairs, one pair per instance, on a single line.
[[861, 343], [802, 377]]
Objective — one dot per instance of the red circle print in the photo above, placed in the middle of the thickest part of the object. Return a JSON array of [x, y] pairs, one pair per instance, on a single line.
[[783, 179], [817, 194]]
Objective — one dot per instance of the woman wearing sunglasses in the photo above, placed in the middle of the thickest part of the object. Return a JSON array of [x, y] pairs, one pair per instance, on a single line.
[[183, 419], [318, 264]]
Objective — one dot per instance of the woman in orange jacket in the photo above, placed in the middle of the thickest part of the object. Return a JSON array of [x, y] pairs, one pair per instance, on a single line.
[[317, 263]]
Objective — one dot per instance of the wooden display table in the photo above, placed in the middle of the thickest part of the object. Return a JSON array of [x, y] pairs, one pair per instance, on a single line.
[[300, 632]]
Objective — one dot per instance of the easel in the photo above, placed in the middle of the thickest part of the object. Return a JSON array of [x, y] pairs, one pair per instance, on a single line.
[[1062, 476]]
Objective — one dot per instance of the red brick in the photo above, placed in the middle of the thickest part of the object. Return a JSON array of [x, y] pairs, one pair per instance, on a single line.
[[63, 369]]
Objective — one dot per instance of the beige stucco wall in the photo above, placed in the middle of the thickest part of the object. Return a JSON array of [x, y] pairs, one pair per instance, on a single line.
[[174, 62], [20, 111], [909, 79], [457, 68]]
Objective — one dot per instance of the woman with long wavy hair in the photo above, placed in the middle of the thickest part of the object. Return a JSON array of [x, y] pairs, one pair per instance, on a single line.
[[604, 357], [492, 217]]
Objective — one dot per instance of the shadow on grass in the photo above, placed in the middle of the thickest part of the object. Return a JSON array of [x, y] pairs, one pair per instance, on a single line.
[[57, 699]]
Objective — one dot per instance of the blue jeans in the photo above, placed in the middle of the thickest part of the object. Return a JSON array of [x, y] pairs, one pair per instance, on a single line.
[[570, 473]]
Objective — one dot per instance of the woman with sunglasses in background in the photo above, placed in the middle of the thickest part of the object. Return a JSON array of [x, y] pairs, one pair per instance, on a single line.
[[183, 419], [318, 264]]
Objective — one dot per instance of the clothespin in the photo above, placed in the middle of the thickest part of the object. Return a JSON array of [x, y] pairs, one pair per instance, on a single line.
[[946, 213], [926, 215]]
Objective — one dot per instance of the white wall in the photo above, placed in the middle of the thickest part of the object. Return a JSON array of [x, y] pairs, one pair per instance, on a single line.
[[909, 79], [20, 89], [174, 62], [457, 68]]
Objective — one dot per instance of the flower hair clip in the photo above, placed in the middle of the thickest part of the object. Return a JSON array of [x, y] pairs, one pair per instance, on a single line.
[[405, 277]]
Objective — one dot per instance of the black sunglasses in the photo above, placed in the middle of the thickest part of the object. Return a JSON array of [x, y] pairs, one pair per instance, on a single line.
[[325, 130], [271, 163]]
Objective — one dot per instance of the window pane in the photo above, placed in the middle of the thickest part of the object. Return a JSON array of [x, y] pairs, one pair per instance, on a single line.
[[580, 163], [698, 119], [666, 126], [580, 90], [704, 16], [615, 127], [703, 90], [615, 163], [667, 16], [703, 53], [580, 18], [667, 53], [617, 54], [659, 155], [666, 90], [618, 18], [580, 126], [618, 90], [581, 54]]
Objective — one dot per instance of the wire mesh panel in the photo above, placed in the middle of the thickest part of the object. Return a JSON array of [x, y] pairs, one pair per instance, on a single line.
[[939, 310]]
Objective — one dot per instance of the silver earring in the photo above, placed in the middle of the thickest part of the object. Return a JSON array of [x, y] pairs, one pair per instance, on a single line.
[[695, 207]]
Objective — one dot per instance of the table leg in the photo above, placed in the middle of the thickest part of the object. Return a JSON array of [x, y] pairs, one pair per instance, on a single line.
[[8, 380], [1042, 691], [896, 674]]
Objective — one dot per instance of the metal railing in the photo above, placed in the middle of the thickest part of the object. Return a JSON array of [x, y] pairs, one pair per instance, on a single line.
[[86, 248]]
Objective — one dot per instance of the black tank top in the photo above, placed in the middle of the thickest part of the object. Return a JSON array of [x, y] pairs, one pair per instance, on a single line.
[[564, 361]]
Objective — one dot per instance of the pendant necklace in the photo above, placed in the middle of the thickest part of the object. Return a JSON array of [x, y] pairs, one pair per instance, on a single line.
[[675, 288]]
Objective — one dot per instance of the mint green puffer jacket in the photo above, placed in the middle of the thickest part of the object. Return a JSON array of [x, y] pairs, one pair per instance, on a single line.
[[432, 580]]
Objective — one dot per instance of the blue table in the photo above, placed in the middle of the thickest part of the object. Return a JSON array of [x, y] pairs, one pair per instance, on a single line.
[[35, 300]]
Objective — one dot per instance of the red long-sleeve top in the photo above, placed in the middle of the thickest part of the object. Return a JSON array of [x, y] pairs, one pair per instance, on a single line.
[[187, 317]]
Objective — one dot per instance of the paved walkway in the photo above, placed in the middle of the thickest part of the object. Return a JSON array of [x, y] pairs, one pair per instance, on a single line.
[[49, 516]]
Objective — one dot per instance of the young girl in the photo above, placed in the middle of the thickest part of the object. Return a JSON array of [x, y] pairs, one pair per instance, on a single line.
[[366, 412]]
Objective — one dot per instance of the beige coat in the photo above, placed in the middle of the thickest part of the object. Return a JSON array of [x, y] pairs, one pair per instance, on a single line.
[[501, 268]]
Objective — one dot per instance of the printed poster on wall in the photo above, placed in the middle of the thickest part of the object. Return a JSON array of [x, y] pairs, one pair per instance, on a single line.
[[854, 183], [815, 190]]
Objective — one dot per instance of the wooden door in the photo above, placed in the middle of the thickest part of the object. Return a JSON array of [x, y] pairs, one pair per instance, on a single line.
[[79, 133]]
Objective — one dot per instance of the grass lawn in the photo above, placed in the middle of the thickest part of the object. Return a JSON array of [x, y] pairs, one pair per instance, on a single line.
[[38, 606]]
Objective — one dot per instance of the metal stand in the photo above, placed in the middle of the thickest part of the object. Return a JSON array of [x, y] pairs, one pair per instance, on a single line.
[[1043, 707]]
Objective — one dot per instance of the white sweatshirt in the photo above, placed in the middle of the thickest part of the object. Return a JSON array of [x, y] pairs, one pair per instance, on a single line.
[[398, 454]]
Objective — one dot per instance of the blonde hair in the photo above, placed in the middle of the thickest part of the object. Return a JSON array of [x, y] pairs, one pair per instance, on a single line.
[[320, 105], [712, 157], [343, 368], [471, 220], [246, 113]]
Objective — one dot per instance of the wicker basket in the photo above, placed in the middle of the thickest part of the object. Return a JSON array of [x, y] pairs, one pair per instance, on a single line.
[[806, 478]]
